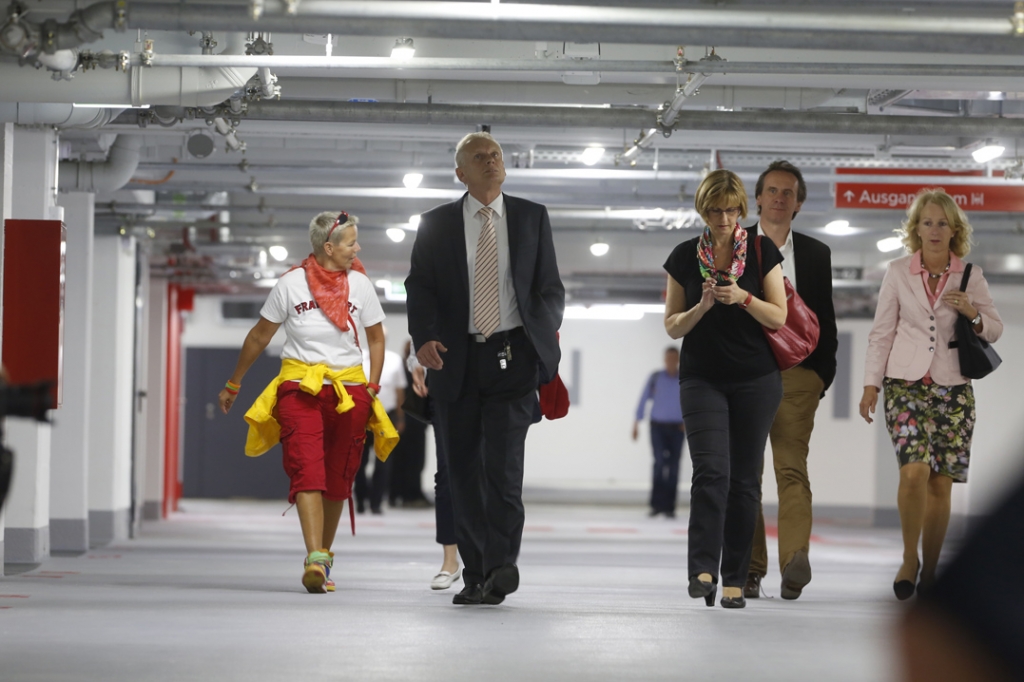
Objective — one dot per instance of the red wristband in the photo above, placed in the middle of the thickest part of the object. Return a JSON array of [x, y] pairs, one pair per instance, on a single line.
[[750, 297], [375, 387]]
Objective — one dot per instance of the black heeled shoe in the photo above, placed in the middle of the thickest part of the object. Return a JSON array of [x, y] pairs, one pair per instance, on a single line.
[[698, 588], [904, 589], [734, 602]]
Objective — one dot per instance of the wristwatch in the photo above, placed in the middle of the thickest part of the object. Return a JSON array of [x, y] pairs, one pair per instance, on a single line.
[[977, 320]]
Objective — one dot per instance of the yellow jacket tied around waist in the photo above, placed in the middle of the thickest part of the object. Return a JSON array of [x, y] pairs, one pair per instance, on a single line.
[[265, 432]]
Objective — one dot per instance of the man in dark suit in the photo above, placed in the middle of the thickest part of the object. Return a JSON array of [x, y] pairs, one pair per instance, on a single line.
[[780, 192], [485, 302]]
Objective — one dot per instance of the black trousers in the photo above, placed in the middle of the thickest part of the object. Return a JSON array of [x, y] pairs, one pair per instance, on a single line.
[[483, 434], [667, 442], [376, 488], [409, 458], [727, 425], [444, 515]]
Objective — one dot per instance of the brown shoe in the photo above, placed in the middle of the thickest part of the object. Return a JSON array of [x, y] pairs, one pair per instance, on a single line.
[[752, 590], [796, 575]]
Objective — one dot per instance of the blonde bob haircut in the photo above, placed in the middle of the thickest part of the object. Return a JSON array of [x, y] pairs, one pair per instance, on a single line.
[[321, 225], [960, 243], [472, 137], [720, 189]]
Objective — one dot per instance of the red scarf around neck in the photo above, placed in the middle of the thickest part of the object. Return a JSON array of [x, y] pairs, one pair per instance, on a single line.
[[330, 289]]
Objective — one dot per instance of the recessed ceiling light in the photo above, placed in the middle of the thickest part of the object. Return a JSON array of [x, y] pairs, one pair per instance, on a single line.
[[591, 155], [403, 49], [412, 180], [990, 151], [599, 248], [278, 252], [889, 244], [396, 234], [839, 228]]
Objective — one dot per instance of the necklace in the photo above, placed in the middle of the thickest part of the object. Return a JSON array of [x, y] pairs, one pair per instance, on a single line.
[[944, 271]]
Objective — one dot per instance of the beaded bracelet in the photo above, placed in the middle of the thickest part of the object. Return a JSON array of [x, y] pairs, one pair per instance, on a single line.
[[232, 388]]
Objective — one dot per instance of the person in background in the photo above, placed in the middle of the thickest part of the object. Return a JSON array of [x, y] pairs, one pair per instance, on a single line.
[[929, 405], [321, 403], [392, 395], [667, 433], [807, 263], [717, 301], [409, 458]]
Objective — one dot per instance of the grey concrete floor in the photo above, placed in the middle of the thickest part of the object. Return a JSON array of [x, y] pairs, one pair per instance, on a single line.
[[214, 594]]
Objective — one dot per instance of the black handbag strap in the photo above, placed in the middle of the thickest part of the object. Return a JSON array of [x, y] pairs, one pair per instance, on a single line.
[[967, 276]]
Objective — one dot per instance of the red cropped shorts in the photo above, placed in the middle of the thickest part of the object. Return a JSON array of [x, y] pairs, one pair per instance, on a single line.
[[322, 449]]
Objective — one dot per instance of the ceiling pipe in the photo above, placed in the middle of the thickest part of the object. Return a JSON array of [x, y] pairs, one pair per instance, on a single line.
[[57, 115], [586, 117], [103, 176], [427, 67], [839, 30]]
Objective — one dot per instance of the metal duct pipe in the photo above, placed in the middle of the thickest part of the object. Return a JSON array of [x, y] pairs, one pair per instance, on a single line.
[[83, 26], [480, 21], [57, 115], [103, 176], [577, 117]]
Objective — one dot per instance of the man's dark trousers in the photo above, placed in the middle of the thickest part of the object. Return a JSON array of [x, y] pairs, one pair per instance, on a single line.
[[667, 441], [484, 436]]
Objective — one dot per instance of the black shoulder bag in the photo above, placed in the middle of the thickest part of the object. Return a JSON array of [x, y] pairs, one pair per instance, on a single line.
[[977, 358]]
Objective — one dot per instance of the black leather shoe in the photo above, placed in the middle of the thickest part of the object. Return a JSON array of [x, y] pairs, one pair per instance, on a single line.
[[698, 588], [471, 594], [752, 590], [502, 581], [734, 603], [796, 576]]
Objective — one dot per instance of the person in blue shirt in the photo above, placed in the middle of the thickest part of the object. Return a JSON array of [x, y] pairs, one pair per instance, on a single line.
[[667, 433]]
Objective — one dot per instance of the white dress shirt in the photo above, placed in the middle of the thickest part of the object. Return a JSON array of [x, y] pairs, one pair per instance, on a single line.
[[788, 261], [510, 318]]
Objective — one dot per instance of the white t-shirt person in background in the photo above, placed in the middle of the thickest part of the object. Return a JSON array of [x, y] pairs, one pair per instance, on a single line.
[[320, 305]]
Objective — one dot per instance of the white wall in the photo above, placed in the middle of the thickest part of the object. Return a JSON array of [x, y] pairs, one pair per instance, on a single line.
[[850, 465]]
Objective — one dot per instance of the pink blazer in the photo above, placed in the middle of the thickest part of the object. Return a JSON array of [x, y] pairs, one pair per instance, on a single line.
[[910, 338]]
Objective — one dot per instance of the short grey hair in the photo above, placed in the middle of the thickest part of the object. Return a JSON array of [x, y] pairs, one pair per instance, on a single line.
[[471, 138], [321, 225]]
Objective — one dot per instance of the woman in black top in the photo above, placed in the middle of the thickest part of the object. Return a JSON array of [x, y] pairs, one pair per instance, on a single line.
[[730, 386]]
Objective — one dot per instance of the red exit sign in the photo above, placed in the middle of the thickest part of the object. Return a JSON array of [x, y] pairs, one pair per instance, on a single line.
[[889, 196]]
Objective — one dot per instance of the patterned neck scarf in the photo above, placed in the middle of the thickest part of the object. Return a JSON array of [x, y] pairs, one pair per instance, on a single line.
[[330, 290], [706, 255]]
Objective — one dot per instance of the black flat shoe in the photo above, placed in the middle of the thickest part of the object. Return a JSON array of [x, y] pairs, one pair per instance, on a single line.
[[698, 588], [734, 602], [471, 594]]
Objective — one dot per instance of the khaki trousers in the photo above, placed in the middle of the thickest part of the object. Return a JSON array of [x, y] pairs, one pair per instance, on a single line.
[[790, 436]]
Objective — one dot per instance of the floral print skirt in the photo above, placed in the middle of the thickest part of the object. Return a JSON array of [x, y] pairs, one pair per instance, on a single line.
[[931, 423]]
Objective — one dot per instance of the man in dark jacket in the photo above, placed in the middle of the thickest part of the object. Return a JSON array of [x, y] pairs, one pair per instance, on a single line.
[[485, 303], [780, 192]]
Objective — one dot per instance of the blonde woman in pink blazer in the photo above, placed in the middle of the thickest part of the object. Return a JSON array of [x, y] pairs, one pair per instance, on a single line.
[[929, 405]]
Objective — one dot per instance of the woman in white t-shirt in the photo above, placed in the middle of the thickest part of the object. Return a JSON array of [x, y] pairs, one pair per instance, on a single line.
[[320, 404]]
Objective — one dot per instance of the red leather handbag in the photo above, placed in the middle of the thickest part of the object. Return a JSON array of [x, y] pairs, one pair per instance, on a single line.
[[797, 339]]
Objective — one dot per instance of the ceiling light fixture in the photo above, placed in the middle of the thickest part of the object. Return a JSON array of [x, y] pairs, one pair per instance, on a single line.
[[839, 228], [599, 248], [988, 152], [278, 252], [412, 180], [403, 49], [591, 155], [414, 221], [889, 244], [395, 234]]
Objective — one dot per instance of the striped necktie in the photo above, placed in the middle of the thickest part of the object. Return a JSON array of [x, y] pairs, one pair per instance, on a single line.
[[486, 304]]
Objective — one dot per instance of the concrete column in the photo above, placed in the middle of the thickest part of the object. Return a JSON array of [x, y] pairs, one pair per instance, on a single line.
[[156, 358], [111, 388], [6, 190], [69, 456], [34, 192]]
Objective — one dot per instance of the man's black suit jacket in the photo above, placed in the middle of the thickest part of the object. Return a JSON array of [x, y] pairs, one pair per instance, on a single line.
[[814, 284], [437, 287]]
